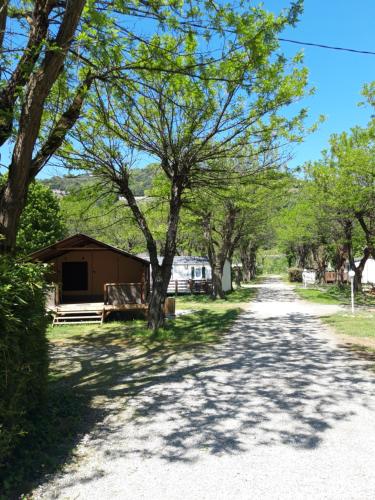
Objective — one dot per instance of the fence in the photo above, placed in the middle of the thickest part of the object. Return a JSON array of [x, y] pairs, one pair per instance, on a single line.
[[189, 286], [124, 293]]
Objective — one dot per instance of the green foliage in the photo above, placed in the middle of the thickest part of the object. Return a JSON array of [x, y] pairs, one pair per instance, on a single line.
[[60, 421], [272, 264], [98, 213], [23, 350], [41, 221], [295, 274]]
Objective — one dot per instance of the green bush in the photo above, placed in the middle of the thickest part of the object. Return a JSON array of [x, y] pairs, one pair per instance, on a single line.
[[295, 275], [23, 349]]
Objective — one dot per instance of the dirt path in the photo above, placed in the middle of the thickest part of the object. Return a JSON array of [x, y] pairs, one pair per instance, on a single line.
[[277, 411]]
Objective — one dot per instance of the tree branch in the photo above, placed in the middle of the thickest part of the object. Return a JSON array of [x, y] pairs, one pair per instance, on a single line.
[[64, 124]]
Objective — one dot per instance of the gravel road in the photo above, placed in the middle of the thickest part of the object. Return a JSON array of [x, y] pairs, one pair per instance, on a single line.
[[277, 411]]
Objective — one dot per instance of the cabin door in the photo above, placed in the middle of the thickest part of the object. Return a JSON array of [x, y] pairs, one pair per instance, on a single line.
[[75, 276]]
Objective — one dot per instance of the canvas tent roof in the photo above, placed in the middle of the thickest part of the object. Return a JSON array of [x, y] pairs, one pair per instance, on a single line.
[[78, 240]]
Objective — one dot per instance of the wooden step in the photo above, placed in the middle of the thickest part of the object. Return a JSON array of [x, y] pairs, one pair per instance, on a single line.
[[77, 317], [64, 316], [77, 322]]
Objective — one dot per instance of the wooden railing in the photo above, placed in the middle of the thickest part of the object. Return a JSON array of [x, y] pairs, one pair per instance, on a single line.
[[333, 276], [189, 286], [124, 293]]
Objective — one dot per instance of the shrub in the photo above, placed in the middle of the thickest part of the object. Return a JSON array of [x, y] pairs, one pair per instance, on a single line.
[[295, 275], [23, 349]]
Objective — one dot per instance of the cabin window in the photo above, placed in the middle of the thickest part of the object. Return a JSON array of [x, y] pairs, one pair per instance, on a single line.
[[74, 276], [198, 273], [192, 272], [203, 273]]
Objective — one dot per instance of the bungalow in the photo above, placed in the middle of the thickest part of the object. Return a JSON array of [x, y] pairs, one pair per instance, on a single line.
[[192, 274], [90, 279]]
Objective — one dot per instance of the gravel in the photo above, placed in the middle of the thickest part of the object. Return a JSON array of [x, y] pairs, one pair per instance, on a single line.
[[276, 411]]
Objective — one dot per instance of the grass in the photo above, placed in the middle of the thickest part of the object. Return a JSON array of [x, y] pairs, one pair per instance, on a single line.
[[207, 320], [108, 354], [359, 330], [237, 298], [361, 325], [333, 294]]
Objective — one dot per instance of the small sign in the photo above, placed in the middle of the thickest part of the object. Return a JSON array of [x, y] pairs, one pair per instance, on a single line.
[[308, 277]]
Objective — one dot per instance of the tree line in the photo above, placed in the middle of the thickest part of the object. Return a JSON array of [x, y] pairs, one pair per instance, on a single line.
[[330, 217]]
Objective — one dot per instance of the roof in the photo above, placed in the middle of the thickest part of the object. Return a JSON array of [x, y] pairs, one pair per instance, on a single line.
[[189, 260], [76, 241], [180, 260]]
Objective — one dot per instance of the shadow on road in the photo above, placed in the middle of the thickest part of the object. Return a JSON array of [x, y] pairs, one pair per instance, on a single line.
[[272, 380]]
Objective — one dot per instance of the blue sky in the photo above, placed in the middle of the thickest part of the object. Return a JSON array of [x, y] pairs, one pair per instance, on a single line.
[[337, 76]]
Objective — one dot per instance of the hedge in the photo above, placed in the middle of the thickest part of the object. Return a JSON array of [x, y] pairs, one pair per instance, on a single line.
[[23, 350], [295, 275]]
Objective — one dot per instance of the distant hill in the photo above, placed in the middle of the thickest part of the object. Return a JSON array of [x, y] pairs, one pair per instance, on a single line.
[[67, 183], [140, 180]]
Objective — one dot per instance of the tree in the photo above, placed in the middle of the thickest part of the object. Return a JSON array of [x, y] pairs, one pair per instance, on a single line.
[[97, 212], [350, 162], [189, 122], [41, 221], [62, 48], [234, 221], [219, 222], [50, 28]]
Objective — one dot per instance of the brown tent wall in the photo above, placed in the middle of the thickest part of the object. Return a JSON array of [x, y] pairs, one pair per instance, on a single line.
[[104, 266]]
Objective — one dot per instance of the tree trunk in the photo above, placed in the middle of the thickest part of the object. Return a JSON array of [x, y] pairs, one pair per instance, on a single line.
[[217, 283], [157, 299], [340, 265], [238, 276], [246, 267], [253, 262], [321, 263], [359, 269], [161, 274], [302, 253], [14, 193], [246, 263]]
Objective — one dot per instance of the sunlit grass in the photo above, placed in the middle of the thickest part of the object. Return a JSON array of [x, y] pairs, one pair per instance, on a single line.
[[239, 297], [333, 294], [361, 324], [207, 319]]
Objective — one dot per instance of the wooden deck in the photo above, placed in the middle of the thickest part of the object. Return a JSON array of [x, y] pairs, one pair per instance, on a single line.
[[79, 307], [90, 312]]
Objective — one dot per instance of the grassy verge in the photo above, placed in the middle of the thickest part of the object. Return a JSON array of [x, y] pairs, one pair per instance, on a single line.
[[358, 333], [207, 320], [238, 299], [91, 365], [332, 294], [360, 325]]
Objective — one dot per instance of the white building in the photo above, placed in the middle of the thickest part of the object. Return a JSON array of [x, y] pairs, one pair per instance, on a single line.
[[196, 269], [368, 275]]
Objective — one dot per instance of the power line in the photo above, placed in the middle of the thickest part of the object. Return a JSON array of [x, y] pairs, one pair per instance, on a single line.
[[331, 47]]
